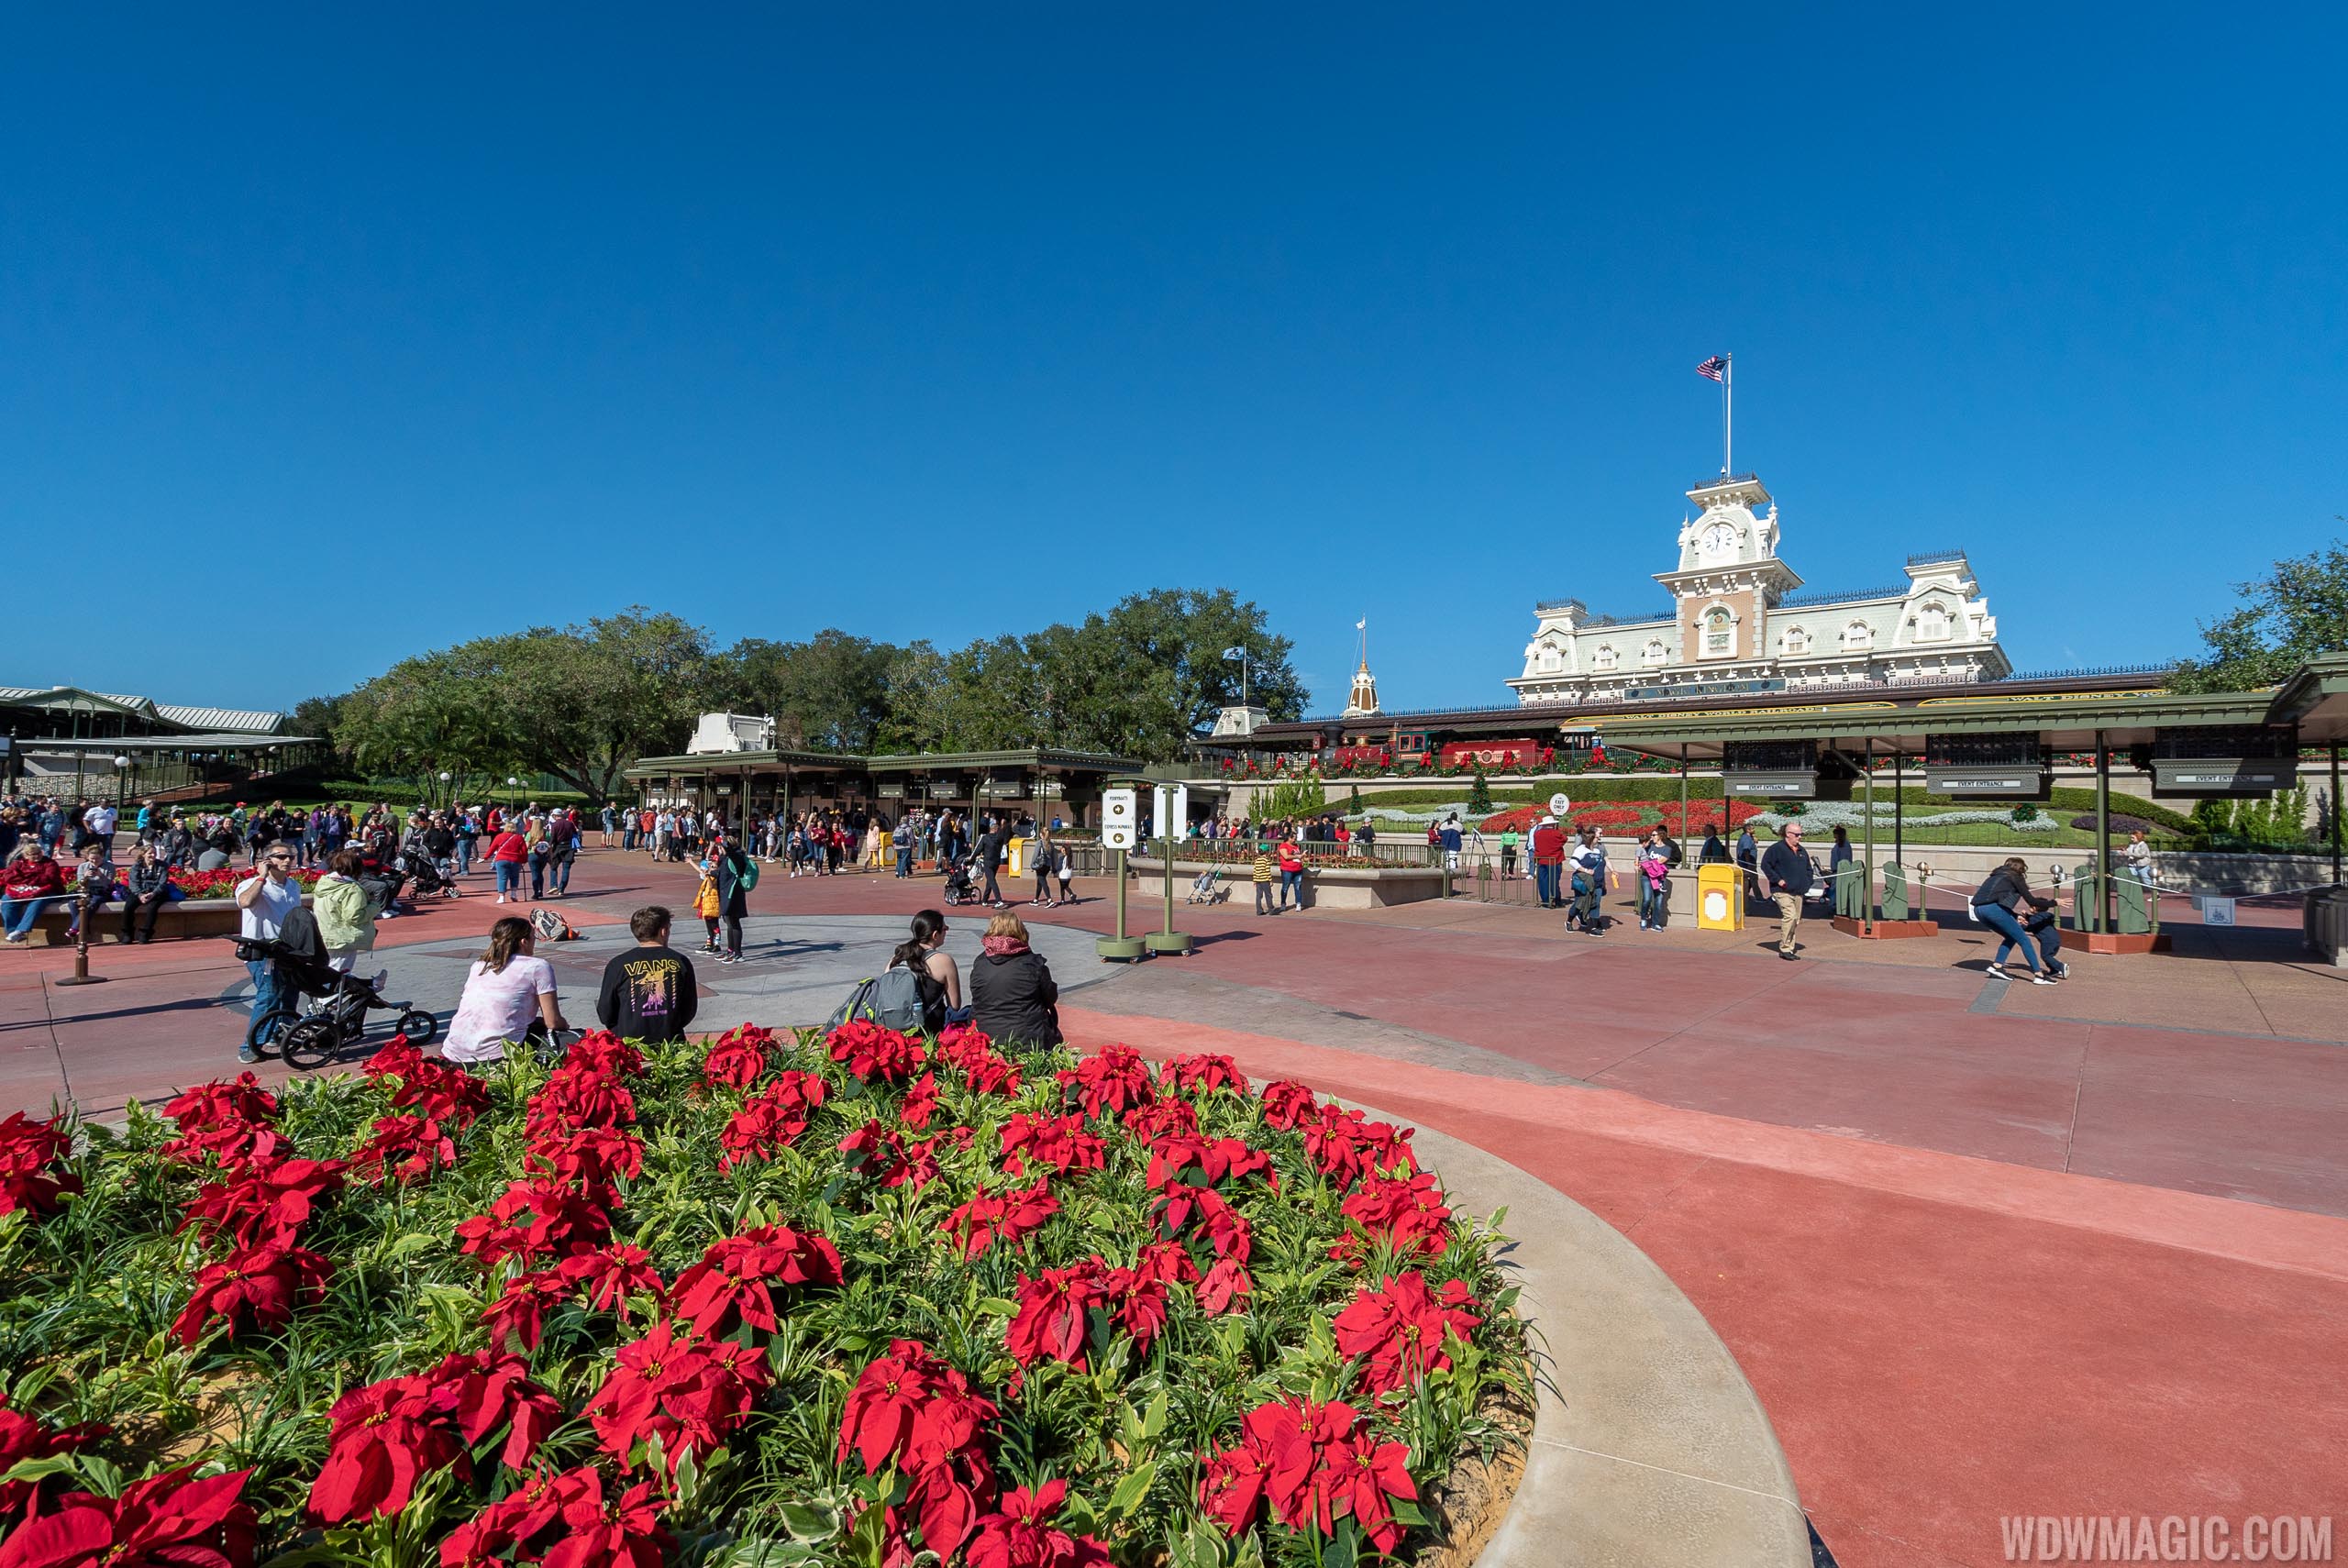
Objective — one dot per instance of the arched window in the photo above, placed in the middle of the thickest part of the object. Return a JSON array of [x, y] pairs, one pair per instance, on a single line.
[[1551, 659], [1932, 622], [1720, 632], [1653, 653], [1606, 657], [1797, 640], [1857, 635]]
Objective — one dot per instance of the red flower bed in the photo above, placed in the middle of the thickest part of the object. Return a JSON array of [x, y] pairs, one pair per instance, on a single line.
[[868, 1298]]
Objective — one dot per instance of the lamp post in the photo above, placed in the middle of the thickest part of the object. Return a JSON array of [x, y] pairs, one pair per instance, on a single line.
[[449, 798], [513, 797], [121, 779]]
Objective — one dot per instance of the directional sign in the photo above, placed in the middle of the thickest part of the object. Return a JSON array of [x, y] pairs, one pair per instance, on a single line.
[[1120, 817]]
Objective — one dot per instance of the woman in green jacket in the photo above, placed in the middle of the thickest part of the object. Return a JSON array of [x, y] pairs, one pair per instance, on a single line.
[[346, 911]]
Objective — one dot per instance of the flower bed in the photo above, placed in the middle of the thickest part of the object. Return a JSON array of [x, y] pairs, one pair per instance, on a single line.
[[222, 884], [756, 1300]]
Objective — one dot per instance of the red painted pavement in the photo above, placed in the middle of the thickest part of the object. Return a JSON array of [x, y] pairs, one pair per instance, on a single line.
[[2081, 1253]]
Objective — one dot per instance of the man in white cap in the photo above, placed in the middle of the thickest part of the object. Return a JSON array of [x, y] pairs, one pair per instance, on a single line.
[[1548, 860]]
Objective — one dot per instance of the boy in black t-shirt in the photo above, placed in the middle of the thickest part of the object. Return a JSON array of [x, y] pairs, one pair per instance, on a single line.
[[649, 992]]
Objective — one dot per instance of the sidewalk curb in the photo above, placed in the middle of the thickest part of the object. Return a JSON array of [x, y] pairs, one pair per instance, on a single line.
[[1649, 1448]]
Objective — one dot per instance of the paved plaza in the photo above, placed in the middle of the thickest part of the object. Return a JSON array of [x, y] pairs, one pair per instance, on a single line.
[[1981, 1249]]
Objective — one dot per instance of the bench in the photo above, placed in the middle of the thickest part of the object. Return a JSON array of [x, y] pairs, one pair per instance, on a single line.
[[189, 917]]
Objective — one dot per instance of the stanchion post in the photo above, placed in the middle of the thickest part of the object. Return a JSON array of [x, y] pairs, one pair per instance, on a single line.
[[81, 974]]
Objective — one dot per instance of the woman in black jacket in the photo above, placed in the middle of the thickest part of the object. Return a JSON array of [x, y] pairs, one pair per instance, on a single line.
[[1996, 904], [1012, 992], [146, 888]]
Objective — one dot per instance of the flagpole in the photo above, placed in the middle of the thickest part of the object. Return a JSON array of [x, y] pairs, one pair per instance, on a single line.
[[1728, 413]]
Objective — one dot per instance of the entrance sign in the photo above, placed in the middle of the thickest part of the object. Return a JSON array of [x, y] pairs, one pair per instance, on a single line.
[[1120, 816]]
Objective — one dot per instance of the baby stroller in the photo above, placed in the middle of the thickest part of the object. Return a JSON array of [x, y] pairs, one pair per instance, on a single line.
[[961, 883], [339, 1003], [425, 878], [1206, 890]]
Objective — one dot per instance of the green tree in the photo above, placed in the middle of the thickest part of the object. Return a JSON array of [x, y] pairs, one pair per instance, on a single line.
[[2297, 610], [1290, 801], [830, 692], [1479, 791]]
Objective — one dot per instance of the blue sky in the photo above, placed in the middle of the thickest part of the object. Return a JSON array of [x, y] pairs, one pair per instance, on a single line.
[[326, 336]]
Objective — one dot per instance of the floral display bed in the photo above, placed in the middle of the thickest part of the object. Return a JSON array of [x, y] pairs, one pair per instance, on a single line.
[[863, 1299]]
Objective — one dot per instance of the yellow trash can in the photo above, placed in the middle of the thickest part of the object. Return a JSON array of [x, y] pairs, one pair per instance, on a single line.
[[1720, 898], [1018, 866]]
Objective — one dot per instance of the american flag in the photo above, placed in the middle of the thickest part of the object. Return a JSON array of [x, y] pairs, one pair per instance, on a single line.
[[1712, 368]]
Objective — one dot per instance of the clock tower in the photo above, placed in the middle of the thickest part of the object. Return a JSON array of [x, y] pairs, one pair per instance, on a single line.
[[1729, 575]]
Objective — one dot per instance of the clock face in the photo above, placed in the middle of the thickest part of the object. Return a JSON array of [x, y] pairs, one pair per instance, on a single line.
[[1719, 539]]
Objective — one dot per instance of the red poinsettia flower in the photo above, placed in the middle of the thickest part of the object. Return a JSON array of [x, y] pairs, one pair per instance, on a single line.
[[231, 1123], [1162, 1119], [687, 1393], [383, 1439], [913, 1408], [169, 1520], [520, 1311], [1286, 1104], [884, 1156], [23, 1438], [490, 1389], [401, 1148], [1050, 1321], [996, 1075], [515, 1522], [737, 1057], [254, 1291], [920, 1103], [1231, 1490], [29, 1151], [576, 1096], [729, 1285], [1018, 1534], [771, 1118], [1004, 1217], [1214, 1160], [264, 1206], [396, 1058], [872, 1053], [586, 1157], [1345, 1146], [1059, 1143], [537, 1219], [621, 1532], [1399, 1328], [1408, 1211], [612, 1272], [1198, 1074], [1225, 1283], [1361, 1476], [1224, 1228], [604, 1054], [1111, 1080], [1137, 1303]]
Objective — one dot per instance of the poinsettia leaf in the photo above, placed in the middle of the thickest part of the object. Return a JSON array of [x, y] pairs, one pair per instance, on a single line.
[[996, 1306], [1407, 1512], [808, 1522]]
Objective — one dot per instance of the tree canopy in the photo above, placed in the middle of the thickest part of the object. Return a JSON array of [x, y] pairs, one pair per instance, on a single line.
[[583, 703], [2298, 610]]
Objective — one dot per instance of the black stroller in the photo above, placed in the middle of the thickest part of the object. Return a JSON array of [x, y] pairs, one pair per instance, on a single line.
[[961, 881], [425, 879], [309, 1037]]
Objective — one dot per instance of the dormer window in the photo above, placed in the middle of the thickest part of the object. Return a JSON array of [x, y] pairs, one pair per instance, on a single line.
[[1606, 656], [1719, 633], [1857, 635], [1551, 658], [1653, 653], [1932, 622], [1797, 641]]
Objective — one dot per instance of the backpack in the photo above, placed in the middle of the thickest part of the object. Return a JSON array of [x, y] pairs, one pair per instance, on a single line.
[[746, 876], [552, 927], [892, 1000]]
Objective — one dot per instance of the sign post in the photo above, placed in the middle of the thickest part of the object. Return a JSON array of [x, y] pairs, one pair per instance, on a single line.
[[1173, 807], [1120, 815]]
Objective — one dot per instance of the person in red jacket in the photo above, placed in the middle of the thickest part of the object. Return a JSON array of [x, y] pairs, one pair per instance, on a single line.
[[1548, 860], [1291, 869], [32, 881], [507, 852]]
